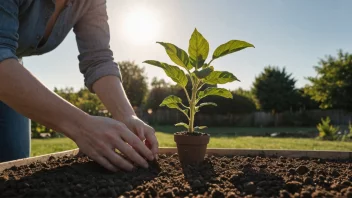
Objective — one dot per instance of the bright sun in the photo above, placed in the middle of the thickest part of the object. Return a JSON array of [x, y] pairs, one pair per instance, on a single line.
[[140, 26]]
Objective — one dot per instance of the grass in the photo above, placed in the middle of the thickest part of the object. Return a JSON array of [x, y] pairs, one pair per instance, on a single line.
[[45, 146], [241, 131], [222, 138], [265, 143]]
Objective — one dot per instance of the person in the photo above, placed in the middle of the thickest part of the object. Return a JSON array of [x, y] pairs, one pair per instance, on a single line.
[[35, 27]]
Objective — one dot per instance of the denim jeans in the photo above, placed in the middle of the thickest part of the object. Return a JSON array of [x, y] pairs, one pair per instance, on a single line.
[[15, 135]]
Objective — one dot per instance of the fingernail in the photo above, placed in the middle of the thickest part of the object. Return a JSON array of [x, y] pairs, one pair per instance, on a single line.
[[156, 156]]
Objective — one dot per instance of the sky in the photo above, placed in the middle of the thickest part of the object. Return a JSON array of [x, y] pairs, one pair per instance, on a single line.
[[293, 34]]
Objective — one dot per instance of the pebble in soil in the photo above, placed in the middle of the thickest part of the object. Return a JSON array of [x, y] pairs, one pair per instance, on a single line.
[[225, 176]]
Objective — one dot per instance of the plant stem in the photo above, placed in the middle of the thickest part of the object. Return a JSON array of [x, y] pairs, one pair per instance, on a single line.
[[183, 113], [190, 76], [210, 62], [201, 86], [184, 105], [193, 106], [192, 109], [189, 100]]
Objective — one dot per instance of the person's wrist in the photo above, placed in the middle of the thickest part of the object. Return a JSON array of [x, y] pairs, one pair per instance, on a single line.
[[123, 117]]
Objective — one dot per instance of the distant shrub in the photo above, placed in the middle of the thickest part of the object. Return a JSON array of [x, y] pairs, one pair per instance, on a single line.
[[326, 130], [346, 136]]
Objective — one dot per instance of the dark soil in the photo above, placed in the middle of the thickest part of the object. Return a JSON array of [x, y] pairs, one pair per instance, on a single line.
[[191, 133], [232, 176]]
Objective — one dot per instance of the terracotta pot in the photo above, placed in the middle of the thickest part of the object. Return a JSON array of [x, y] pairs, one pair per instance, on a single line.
[[190, 148]]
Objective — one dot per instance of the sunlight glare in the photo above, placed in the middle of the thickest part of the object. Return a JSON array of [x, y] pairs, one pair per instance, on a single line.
[[140, 26]]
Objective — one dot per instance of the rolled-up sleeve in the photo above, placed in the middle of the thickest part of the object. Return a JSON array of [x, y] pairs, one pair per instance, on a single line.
[[8, 29], [93, 40]]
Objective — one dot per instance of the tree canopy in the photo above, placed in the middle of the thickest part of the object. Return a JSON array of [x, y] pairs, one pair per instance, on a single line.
[[275, 89], [332, 87], [134, 82]]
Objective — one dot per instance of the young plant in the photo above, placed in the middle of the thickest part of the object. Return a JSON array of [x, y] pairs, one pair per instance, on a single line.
[[193, 66], [326, 130]]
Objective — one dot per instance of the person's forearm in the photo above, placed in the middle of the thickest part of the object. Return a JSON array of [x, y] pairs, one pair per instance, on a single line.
[[110, 91], [24, 93]]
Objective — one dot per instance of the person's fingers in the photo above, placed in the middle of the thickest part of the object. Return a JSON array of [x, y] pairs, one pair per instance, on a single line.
[[137, 144], [103, 162], [131, 153], [117, 160], [152, 140], [147, 143], [140, 133]]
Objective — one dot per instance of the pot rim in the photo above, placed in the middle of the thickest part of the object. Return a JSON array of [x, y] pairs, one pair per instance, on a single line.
[[206, 134], [182, 139]]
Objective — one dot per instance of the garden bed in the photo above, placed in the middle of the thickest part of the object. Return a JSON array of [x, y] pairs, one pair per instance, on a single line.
[[224, 173]]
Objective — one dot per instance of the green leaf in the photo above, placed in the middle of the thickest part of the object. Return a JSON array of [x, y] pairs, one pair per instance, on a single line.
[[171, 105], [230, 47], [205, 104], [185, 111], [214, 91], [171, 101], [200, 127], [198, 49], [204, 72], [175, 73], [177, 55], [182, 124], [220, 77]]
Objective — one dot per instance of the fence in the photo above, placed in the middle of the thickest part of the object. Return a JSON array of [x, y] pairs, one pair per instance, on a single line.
[[257, 119]]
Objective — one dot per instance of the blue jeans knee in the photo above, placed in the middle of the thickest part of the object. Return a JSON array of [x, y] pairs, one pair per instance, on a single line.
[[15, 134]]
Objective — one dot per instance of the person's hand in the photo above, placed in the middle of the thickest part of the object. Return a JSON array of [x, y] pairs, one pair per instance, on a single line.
[[100, 136], [145, 132]]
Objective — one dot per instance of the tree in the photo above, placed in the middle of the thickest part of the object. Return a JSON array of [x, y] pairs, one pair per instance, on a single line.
[[160, 90], [239, 104], [275, 90], [156, 83], [134, 82], [68, 94], [304, 101], [242, 102], [247, 94], [90, 103], [83, 99], [332, 87]]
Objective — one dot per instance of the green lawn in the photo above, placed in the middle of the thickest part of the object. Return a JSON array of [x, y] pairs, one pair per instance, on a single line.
[[241, 131], [230, 138]]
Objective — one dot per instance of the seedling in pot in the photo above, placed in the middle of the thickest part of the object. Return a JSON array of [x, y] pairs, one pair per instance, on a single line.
[[199, 72], [193, 67]]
